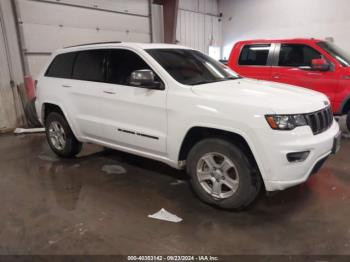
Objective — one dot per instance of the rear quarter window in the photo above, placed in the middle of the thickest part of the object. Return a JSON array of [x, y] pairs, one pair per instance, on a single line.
[[61, 66], [254, 55]]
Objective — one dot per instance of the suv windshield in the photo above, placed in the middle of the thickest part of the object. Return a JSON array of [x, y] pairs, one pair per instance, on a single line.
[[190, 67], [342, 56]]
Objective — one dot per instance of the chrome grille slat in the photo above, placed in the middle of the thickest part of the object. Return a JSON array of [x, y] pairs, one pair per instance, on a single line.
[[320, 121], [325, 119], [320, 118], [326, 114]]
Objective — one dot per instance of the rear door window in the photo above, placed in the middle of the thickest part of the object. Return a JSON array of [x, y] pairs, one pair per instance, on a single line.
[[254, 55], [90, 65], [61, 66], [296, 55]]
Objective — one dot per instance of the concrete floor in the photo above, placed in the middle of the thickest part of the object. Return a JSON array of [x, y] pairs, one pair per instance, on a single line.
[[53, 206]]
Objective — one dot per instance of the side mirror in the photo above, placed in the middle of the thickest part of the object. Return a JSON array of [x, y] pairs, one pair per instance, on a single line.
[[144, 78], [320, 65]]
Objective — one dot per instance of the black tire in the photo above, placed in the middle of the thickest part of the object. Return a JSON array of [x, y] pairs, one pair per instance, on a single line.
[[249, 180], [72, 146], [348, 121]]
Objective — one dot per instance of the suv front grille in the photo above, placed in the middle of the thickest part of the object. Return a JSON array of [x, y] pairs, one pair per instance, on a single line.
[[320, 121]]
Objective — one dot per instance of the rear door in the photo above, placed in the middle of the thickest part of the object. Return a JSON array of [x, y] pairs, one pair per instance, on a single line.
[[293, 66], [84, 90], [254, 61]]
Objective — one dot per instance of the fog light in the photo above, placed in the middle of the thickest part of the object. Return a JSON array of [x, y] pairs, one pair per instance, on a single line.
[[298, 156]]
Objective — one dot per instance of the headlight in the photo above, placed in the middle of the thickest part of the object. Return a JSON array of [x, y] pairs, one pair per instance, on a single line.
[[286, 122]]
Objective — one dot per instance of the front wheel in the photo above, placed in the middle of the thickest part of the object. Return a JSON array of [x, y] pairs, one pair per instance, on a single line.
[[348, 121], [222, 175], [60, 136]]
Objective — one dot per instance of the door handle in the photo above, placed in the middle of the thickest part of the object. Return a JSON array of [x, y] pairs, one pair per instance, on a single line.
[[108, 92], [276, 76], [66, 86]]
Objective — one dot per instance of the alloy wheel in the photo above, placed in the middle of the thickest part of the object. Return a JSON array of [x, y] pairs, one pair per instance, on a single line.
[[57, 135], [217, 175]]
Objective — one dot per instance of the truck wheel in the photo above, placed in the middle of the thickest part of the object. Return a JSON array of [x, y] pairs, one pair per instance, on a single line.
[[221, 174], [60, 136], [348, 121]]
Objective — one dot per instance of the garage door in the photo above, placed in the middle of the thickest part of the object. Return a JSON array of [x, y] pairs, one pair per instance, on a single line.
[[50, 25]]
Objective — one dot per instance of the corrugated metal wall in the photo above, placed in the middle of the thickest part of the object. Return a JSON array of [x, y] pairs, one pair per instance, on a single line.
[[47, 25], [198, 24]]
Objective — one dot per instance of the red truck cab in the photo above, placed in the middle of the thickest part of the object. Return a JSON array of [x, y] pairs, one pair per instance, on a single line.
[[309, 63]]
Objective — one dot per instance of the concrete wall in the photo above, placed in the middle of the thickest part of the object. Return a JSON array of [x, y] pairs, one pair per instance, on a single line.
[[249, 19]]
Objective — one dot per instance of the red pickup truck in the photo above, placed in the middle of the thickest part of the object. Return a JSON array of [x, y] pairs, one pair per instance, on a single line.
[[309, 63]]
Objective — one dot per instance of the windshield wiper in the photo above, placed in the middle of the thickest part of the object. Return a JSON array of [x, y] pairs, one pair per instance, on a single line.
[[233, 78], [206, 82], [217, 80]]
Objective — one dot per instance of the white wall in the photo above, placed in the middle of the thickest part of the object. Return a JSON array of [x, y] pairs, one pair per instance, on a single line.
[[198, 24], [250, 19]]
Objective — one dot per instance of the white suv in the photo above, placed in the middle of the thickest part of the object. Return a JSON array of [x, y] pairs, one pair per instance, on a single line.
[[178, 106]]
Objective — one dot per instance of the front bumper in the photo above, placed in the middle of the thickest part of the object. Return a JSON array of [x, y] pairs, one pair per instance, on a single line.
[[277, 172]]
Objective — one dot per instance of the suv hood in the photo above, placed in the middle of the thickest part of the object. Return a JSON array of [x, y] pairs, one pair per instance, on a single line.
[[280, 98]]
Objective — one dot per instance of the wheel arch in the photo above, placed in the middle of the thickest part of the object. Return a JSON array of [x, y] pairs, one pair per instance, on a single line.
[[198, 133], [345, 105], [48, 107]]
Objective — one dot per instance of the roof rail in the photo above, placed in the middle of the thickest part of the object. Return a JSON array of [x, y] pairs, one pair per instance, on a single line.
[[97, 43]]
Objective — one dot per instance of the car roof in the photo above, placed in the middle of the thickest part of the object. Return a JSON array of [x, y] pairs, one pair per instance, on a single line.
[[293, 40], [121, 44]]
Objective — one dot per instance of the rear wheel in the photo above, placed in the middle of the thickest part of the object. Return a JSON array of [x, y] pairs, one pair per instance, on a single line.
[[348, 121], [222, 175], [60, 136]]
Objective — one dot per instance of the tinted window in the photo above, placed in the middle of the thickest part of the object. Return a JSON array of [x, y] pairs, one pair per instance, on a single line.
[[254, 55], [89, 65], [191, 67], [121, 64], [296, 55], [61, 66]]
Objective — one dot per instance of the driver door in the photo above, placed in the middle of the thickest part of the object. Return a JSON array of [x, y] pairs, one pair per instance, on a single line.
[[132, 116], [294, 67]]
